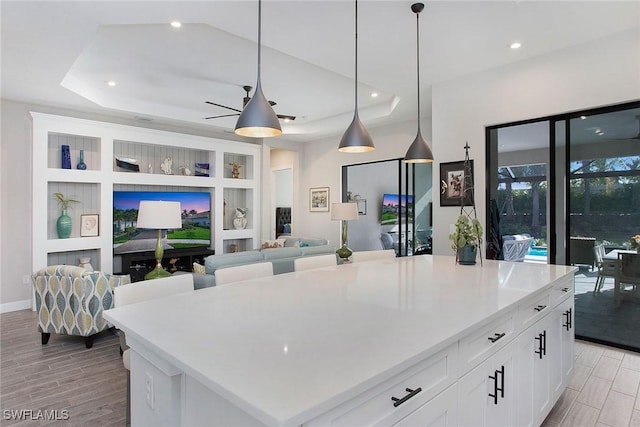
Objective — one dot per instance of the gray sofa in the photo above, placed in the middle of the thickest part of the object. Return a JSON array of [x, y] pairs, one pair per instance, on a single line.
[[281, 258]]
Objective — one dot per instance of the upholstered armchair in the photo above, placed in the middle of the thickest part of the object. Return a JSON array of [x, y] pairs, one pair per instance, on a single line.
[[70, 301]]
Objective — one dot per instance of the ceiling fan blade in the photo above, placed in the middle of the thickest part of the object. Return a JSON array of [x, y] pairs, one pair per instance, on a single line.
[[224, 115], [285, 117], [223, 106]]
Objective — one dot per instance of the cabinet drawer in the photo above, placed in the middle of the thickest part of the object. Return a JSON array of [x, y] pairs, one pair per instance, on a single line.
[[533, 310], [487, 340], [562, 290], [376, 406]]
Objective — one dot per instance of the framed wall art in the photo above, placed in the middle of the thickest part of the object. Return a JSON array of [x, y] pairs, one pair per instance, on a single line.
[[452, 184], [89, 225], [319, 199]]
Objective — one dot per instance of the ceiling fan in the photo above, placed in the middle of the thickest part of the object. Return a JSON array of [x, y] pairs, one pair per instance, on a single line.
[[245, 100]]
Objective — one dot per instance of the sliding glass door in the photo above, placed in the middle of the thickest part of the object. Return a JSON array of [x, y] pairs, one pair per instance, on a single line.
[[572, 182], [603, 214]]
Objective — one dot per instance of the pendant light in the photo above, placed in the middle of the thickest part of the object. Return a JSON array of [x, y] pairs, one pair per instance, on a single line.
[[258, 120], [419, 151], [356, 139]]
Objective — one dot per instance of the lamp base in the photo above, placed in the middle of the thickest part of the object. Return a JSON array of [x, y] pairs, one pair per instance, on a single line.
[[157, 273], [344, 252]]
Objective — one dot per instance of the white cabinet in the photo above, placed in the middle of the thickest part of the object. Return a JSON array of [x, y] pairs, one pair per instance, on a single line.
[[486, 395], [537, 351], [199, 164], [400, 396], [441, 411], [564, 316]]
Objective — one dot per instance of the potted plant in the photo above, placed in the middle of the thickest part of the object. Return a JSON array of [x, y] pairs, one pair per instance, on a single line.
[[465, 239], [63, 224]]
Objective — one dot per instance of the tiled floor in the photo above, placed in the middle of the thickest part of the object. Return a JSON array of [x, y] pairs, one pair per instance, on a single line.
[[603, 390]]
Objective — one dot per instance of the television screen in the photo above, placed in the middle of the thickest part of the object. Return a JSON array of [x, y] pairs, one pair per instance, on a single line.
[[196, 221], [394, 205]]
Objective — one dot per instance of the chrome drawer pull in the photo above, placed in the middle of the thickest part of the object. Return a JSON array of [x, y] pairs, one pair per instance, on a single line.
[[397, 402], [496, 337], [540, 307]]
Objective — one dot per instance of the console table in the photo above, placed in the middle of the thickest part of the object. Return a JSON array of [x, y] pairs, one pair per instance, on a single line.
[[409, 340], [137, 264]]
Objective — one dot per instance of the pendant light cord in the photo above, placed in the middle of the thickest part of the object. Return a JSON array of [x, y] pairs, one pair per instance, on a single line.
[[259, 39], [418, 62], [356, 57]]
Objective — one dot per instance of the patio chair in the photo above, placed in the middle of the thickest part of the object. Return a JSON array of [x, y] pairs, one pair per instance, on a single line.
[[606, 268], [516, 249], [627, 273]]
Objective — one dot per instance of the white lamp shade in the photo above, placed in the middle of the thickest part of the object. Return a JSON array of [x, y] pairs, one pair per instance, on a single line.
[[344, 211], [159, 215]]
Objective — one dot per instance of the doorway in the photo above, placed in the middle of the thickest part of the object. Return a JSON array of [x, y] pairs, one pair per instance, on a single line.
[[572, 182]]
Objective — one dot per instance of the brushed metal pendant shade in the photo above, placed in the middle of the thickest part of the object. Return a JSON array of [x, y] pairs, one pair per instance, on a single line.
[[419, 151], [356, 139], [257, 119]]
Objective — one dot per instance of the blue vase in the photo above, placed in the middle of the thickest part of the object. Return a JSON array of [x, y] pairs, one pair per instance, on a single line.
[[81, 164], [63, 225], [66, 157]]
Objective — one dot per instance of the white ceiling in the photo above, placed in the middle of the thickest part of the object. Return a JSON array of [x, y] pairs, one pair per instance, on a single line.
[[63, 53]]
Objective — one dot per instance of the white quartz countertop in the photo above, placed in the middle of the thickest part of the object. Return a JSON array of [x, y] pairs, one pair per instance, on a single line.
[[289, 347]]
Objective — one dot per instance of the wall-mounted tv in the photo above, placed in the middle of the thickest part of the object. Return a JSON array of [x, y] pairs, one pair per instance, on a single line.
[[196, 221], [393, 206]]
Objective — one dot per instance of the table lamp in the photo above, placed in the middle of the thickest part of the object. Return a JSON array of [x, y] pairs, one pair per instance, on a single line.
[[159, 215], [344, 212]]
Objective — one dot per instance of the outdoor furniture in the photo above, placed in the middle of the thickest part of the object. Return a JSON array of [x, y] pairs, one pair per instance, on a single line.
[[627, 272], [606, 267], [581, 250], [515, 249]]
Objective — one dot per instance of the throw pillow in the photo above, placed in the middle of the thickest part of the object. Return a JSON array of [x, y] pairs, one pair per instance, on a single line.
[[198, 268], [268, 244]]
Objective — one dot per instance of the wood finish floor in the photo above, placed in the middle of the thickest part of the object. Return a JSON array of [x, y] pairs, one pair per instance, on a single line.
[[90, 384]]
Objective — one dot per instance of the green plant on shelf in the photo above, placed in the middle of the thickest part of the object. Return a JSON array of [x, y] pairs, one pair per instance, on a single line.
[[64, 202]]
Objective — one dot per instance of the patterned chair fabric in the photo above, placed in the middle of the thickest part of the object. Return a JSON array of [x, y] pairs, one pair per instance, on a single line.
[[70, 300]]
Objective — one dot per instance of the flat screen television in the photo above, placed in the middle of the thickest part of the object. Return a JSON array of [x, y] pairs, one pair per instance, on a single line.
[[196, 221], [393, 206]]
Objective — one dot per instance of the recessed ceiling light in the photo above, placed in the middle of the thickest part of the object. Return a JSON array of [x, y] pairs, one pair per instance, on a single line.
[[111, 83], [374, 94], [176, 24], [515, 45], [583, 117]]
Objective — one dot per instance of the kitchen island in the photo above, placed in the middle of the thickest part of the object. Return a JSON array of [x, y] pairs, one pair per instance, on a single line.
[[403, 341]]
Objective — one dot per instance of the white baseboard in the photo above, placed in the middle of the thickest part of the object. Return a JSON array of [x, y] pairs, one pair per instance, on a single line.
[[15, 306]]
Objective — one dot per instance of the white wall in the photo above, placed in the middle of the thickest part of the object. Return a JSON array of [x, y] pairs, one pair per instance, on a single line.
[[321, 167], [16, 207], [600, 73]]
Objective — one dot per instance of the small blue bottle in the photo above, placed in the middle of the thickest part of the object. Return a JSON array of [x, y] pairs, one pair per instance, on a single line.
[[81, 164]]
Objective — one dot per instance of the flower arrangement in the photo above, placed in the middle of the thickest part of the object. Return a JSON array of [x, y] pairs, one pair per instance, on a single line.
[[467, 232], [635, 242]]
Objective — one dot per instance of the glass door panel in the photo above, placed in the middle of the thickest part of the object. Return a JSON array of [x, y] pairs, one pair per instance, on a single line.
[[604, 213]]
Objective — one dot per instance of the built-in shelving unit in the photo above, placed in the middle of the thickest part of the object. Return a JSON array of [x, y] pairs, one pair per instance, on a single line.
[[102, 143]]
